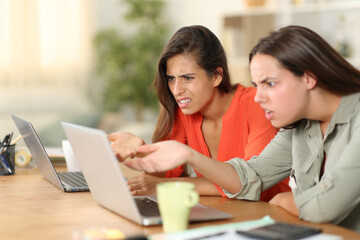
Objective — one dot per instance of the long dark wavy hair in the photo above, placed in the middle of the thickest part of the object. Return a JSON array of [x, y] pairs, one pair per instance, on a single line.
[[200, 43], [301, 50]]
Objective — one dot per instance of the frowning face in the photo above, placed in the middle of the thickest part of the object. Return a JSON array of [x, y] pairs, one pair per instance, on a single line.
[[191, 86], [283, 96]]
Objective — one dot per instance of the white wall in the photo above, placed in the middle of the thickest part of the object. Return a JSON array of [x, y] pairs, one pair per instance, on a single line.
[[180, 13], [202, 12], [108, 13]]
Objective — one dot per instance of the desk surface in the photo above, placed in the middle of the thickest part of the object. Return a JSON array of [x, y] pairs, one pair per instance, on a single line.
[[32, 208]]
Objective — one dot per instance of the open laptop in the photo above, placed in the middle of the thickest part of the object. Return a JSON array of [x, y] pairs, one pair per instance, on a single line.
[[66, 181], [108, 185]]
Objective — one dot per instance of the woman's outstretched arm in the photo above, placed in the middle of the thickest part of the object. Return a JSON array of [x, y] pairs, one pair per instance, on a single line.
[[166, 155]]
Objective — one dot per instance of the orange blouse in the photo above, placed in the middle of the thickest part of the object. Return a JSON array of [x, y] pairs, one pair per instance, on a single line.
[[245, 132]]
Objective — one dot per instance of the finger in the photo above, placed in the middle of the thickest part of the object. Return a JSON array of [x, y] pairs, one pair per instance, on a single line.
[[132, 153], [138, 193], [133, 187], [125, 153], [119, 136], [133, 180], [139, 155], [113, 136], [120, 156], [147, 148]]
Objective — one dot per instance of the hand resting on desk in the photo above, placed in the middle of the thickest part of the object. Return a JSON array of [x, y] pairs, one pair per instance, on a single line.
[[144, 184]]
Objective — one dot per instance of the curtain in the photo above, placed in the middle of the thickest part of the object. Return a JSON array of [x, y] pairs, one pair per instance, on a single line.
[[44, 42]]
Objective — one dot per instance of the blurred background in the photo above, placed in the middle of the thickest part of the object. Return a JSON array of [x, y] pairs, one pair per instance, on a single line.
[[92, 62]]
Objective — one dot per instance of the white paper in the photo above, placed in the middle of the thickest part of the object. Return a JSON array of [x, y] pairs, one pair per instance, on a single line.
[[228, 232], [70, 159]]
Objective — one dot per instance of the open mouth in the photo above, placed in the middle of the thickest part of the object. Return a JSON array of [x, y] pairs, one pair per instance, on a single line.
[[184, 101], [268, 114]]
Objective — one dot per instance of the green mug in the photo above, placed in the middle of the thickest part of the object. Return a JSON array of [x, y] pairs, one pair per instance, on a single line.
[[175, 201]]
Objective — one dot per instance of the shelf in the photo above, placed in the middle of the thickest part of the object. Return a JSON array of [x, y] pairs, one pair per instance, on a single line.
[[243, 28], [326, 7], [322, 6]]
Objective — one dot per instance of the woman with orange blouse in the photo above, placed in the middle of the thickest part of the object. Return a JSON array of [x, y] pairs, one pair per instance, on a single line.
[[201, 108]]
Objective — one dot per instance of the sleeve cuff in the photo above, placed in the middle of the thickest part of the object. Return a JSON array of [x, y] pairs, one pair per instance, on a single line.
[[251, 183]]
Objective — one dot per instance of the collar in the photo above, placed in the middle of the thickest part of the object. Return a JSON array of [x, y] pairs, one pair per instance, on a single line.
[[347, 108], [345, 111]]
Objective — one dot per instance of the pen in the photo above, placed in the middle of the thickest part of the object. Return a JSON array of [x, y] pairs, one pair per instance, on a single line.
[[6, 141], [208, 236], [3, 147], [5, 165], [10, 137], [16, 140]]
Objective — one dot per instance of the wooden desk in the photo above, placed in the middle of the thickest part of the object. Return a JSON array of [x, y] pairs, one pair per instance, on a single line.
[[32, 208]]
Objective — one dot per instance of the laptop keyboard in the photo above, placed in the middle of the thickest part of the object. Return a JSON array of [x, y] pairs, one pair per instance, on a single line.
[[73, 179], [147, 207]]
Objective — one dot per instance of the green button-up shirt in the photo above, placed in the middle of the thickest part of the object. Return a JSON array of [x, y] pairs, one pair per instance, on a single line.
[[334, 196]]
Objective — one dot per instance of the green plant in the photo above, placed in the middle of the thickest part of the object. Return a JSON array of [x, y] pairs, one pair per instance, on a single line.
[[127, 63]]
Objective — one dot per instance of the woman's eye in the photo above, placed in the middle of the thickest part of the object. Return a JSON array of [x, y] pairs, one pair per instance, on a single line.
[[170, 78], [271, 84]]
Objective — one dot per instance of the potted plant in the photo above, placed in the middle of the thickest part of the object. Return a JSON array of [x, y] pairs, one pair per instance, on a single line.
[[127, 63]]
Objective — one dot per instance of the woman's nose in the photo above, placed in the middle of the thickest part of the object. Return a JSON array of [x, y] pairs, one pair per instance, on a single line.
[[259, 96], [178, 87]]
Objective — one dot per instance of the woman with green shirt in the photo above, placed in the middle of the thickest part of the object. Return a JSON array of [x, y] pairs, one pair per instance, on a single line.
[[313, 94]]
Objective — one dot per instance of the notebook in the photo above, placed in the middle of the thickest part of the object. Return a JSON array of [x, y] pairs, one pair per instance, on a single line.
[[66, 181], [108, 185]]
